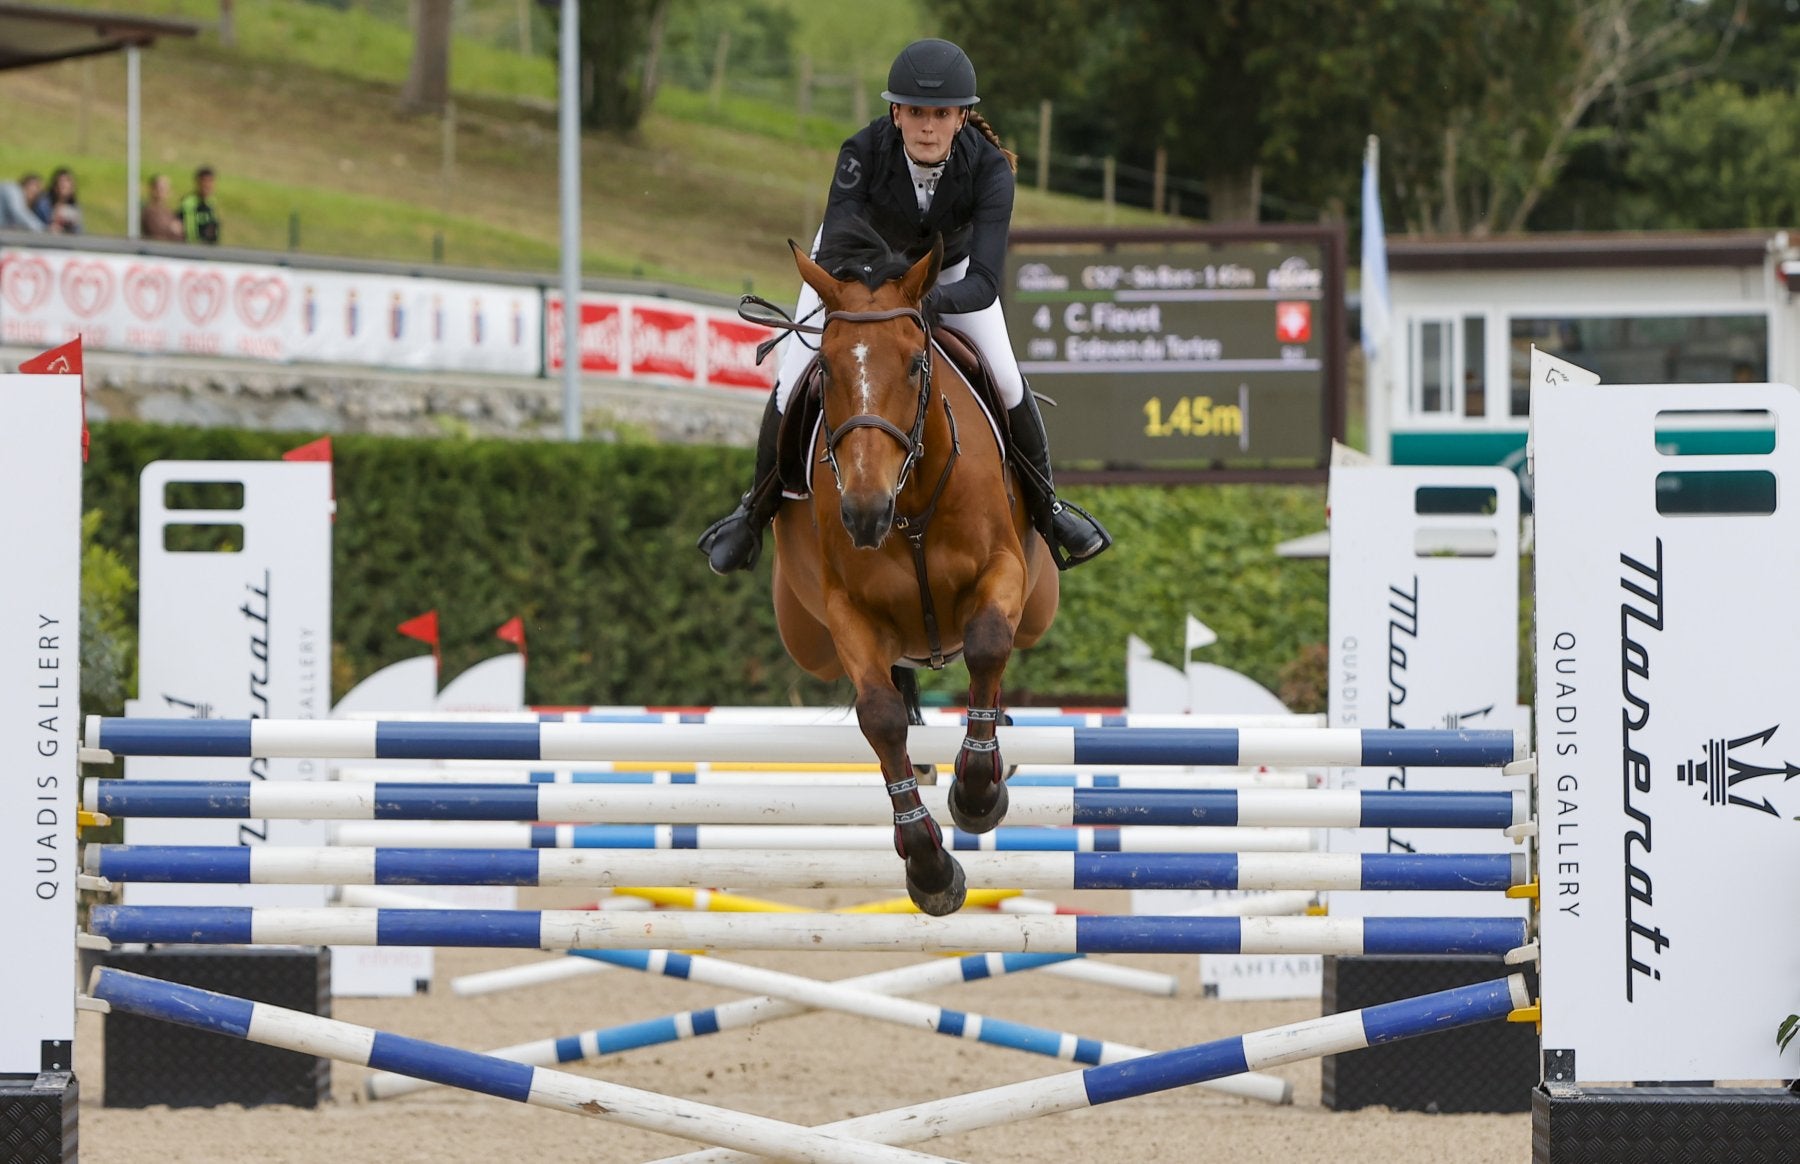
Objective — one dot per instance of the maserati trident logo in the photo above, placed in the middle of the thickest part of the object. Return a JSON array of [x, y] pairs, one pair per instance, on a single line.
[[1723, 768], [196, 709]]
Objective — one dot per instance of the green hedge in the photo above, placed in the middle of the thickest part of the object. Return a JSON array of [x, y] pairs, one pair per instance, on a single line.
[[593, 545]]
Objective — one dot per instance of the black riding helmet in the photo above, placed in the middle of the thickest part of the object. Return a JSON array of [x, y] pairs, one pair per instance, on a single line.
[[931, 73]]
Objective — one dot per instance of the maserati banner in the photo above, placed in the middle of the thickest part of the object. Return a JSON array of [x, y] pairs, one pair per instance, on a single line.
[[1667, 734]]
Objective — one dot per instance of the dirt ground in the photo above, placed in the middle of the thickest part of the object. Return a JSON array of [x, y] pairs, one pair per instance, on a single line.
[[810, 1069]]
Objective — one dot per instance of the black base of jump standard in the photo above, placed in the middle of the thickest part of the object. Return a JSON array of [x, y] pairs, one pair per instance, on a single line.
[[38, 1118], [1664, 1125], [1487, 1068], [150, 1062]]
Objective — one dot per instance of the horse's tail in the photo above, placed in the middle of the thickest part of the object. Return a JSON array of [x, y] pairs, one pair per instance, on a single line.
[[908, 685]]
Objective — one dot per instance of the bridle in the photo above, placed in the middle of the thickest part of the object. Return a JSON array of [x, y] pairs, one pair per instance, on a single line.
[[913, 443]]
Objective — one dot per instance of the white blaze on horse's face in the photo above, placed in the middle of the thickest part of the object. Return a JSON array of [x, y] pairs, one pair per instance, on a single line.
[[865, 392]]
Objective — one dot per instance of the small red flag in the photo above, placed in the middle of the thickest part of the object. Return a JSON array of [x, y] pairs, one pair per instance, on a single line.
[[513, 631], [63, 361], [424, 627], [319, 450]]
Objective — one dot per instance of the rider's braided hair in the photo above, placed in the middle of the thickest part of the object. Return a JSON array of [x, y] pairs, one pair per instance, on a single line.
[[987, 131]]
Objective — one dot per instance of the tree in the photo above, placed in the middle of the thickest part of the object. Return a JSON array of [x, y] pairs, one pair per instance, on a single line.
[[427, 87], [1719, 158], [621, 41], [1479, 106]]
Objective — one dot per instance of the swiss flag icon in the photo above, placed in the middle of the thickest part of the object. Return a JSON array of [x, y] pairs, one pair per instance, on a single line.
[[1293, 322]]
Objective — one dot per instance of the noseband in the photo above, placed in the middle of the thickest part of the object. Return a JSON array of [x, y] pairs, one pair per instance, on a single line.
[[912, 442]]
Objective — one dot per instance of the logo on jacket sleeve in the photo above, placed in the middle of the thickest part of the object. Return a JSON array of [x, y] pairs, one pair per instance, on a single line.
[[849, 171]]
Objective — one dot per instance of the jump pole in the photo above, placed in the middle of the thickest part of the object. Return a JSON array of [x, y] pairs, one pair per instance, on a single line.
[[1005, 839], [1080, 968], [883, 1007], [299, 865], [1333, 1034], [800, 716], [404, 740], [308, 1034], [571, 929], [584, 804], [840, 778]]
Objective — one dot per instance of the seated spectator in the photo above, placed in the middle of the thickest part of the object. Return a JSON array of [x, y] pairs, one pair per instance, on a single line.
[[158, 220], [57, 205], [199, 217], [15, 204]]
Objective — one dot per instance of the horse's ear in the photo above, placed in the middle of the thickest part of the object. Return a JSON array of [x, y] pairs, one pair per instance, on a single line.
[[924, 273], [814, 275]]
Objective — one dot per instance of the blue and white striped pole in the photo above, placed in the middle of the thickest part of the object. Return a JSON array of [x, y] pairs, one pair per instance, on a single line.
[[800, 743], [297, 865], [1331, 1035], [1169, 807], [789, 716], [308, 1034], [846, 778], [871, 996], [652, 930], [1005, 839]]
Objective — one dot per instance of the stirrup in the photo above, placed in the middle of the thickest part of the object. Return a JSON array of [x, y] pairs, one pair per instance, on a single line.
[[742, 538], [1067, 518]]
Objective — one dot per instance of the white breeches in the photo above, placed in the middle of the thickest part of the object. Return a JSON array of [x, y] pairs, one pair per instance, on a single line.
[[985, 328]]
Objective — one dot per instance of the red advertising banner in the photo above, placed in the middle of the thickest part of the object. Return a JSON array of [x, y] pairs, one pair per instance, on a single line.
[[661, 340], [731, 355], [665, 342], [602, 336]]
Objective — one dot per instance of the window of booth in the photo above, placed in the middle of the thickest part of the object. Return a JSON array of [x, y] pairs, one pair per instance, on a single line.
[[1642, 349], [1449, 367]]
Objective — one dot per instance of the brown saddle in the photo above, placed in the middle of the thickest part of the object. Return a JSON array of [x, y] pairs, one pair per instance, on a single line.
[[793, 460]]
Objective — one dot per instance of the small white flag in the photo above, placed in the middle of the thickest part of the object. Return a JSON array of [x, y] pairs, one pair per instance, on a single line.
[[1199, 635]]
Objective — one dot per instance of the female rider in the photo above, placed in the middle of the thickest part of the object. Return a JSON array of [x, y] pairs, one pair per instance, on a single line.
[[931, 166]]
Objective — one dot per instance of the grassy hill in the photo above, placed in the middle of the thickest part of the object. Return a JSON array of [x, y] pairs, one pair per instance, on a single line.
[[299, 119]]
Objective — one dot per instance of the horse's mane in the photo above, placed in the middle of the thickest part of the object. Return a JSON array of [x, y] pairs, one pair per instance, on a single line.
[[853, 249]]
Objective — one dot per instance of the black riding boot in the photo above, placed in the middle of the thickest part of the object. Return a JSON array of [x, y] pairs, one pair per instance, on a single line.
[[735, 541], [1073, 535]]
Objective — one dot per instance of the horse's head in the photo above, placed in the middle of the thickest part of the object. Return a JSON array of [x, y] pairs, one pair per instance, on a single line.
[[876, 354]]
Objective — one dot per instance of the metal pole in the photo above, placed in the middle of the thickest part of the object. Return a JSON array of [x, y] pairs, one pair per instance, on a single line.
[[569, 131], [132, 106]]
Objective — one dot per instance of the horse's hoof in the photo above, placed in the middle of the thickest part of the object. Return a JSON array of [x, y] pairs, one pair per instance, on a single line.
[[943, 901], [925, 774], [978, 822]]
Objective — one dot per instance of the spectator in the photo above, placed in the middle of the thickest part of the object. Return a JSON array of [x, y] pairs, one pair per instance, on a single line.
[[15, 204], [199, 217], [158, 220], [57, 206]]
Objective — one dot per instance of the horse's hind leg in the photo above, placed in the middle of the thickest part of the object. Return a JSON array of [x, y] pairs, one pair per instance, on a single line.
[[978, 797], [934, 879]]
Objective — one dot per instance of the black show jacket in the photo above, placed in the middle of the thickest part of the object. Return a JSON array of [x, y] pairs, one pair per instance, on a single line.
[[972, 207]]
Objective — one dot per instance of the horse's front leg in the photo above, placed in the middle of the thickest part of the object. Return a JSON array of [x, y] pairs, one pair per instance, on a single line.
[[934, 879], [978, 797]]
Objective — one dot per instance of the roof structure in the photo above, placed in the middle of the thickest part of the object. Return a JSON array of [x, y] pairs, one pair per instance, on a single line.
[[34, 35], [1556, 249]]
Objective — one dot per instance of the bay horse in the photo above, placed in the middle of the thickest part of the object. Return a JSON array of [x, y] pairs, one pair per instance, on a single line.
[[916, 546]]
